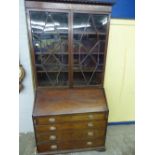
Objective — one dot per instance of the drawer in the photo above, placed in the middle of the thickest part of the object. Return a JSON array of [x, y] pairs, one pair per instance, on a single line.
[[52, 146], [69, 118], [70, 126], [89, 134]]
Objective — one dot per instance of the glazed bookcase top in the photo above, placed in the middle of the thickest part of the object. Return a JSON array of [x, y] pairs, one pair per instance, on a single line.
[[68, 46], [57, 65]]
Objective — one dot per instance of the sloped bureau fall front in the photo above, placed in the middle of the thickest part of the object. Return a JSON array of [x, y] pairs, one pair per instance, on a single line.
[[68, 43]]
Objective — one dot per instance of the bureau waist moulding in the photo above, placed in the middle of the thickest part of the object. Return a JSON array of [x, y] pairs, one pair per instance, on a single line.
[[68, 43]]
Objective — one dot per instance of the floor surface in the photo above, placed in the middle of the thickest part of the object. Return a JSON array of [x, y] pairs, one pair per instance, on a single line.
[[120, 141]]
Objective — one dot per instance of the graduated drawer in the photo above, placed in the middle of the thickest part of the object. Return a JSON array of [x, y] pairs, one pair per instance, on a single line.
[[69, 118], [53, 146], [71, 135], [71, 126]]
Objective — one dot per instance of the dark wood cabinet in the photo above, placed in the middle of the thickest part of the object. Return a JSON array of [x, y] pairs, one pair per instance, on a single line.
[[68, 44]]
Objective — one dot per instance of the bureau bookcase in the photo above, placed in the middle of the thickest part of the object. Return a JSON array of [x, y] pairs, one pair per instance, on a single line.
[[68, 44]]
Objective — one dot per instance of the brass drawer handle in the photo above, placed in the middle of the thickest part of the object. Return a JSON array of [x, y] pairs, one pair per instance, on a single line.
[[52, 137], [89, 143], [90, 124], [90, 133], [53, 147], [91, 116], [52, 128], [51, 120]]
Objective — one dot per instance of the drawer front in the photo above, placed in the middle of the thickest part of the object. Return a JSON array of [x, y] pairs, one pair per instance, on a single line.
[[69, 145], [89, 134], [70, 126], [69, 118]]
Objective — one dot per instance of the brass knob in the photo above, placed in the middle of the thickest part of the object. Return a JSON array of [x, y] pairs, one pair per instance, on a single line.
[[51, 119], [90, 124], [90, 116], [52, 128], [52, 137], [90, 133], [89, 143], [53, 146]]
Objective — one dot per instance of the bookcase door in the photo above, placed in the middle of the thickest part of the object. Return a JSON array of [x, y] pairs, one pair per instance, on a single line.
[[49, 31], [89, 36]]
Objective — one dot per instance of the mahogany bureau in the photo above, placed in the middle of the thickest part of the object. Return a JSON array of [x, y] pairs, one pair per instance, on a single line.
[[71, 119], [68, 44]]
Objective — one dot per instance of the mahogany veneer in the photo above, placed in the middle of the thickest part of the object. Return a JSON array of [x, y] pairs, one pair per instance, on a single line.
[[69, 101]]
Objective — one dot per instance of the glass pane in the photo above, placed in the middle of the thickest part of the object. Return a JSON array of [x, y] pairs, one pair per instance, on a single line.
[[82, 79], [89, 36], [84, 43], [91, 23], [52, 78], [50, 43]]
